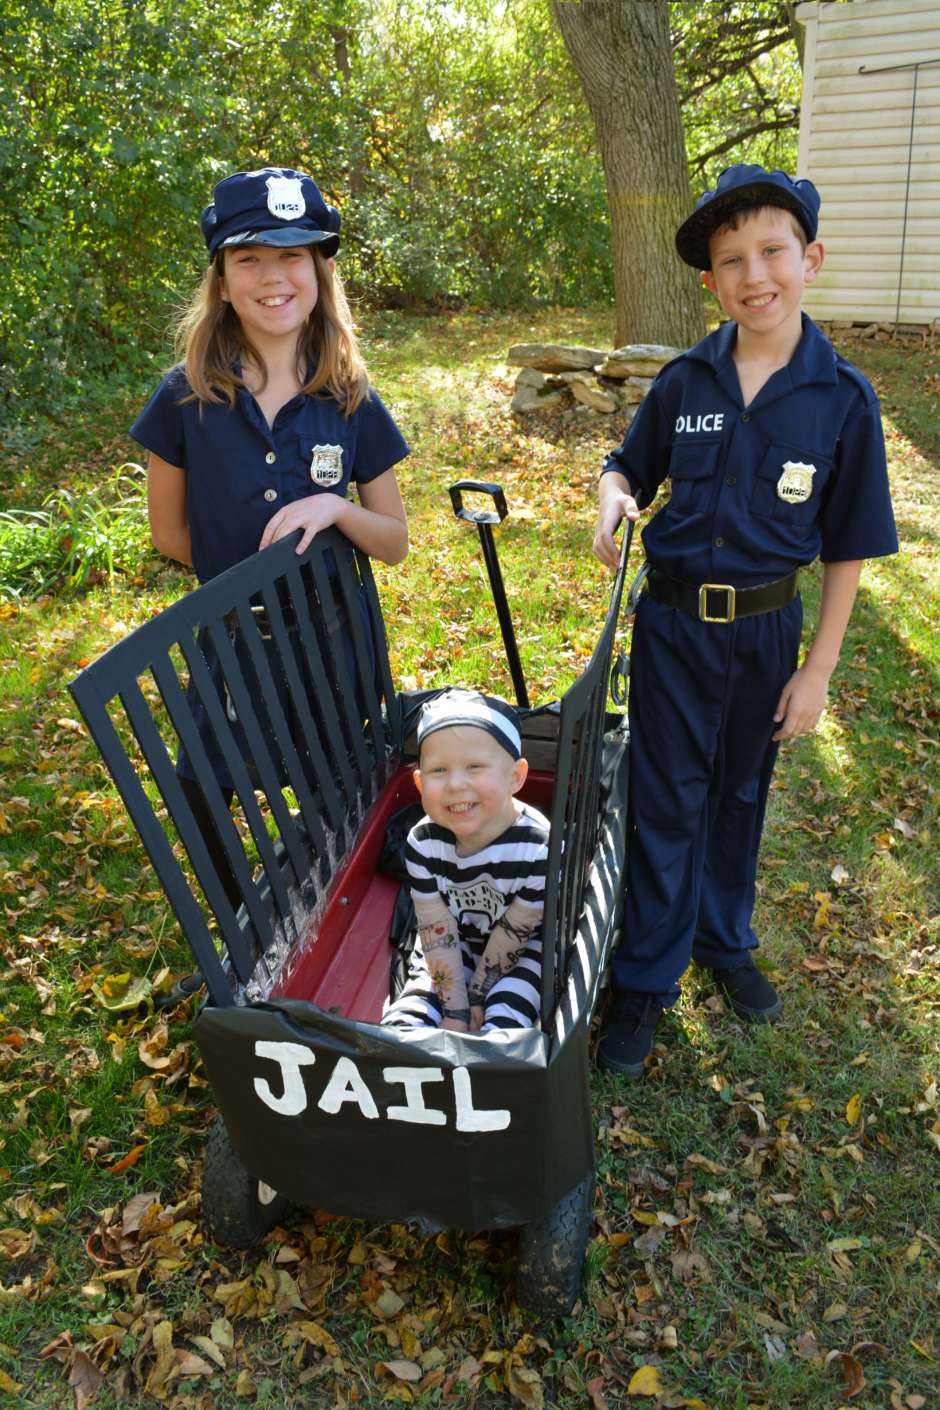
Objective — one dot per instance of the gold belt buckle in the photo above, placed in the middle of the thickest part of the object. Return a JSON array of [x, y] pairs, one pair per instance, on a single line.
[[703, 592]]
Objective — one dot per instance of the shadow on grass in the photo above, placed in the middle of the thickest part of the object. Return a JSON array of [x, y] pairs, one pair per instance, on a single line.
[[907, 378]]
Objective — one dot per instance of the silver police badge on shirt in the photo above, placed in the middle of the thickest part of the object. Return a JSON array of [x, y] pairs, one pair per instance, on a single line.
[[285, 197], [326, 465], [796, 483]]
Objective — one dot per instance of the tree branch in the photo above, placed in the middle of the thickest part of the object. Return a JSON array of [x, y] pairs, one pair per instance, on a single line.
[[768, 125], [773, 42]]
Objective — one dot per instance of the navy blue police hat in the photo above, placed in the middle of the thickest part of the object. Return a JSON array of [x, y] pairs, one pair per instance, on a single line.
[[273, 206], [738, 188]]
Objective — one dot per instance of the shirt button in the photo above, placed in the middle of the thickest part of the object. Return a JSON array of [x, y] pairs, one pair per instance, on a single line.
[[731, 480], [745, 416], [270, 495], [270, 458], [719, 543]]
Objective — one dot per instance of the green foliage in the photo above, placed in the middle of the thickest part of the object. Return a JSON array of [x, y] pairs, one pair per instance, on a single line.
[[484, 189], [452, 137], [77, 538], [739, 80]]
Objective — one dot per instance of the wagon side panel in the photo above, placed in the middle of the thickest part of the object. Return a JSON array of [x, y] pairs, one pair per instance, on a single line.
[[449, 1131]]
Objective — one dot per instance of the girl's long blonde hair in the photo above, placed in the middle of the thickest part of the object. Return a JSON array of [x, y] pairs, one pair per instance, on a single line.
[[210, 340]]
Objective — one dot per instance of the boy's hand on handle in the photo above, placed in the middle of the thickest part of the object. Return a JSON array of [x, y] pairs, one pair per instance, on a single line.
[[476, 1017], [801, 703], [316, 512], [616, 504]]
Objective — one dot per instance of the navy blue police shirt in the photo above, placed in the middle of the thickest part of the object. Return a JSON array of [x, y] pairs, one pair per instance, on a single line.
[[757, 491], [240, 471]]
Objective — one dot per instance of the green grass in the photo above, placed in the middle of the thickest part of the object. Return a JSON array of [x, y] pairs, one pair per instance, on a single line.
[[77, 538], [760, 1153]]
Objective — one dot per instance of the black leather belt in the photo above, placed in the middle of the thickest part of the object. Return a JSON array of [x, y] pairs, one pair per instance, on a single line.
[[719, 602]]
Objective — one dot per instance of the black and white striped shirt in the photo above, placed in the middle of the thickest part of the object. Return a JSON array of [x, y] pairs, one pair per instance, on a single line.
[[477, 889]]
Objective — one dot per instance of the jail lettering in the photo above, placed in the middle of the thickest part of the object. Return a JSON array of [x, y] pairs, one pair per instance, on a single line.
[[346, 1085]]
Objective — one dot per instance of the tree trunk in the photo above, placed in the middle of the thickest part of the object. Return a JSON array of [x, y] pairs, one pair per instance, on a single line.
[[621, 51], [797, 32]]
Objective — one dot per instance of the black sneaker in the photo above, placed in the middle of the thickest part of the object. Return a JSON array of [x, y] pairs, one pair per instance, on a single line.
[[627, 1032], [749, 992]]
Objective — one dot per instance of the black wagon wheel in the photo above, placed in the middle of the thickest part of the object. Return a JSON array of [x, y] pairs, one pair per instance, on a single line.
[[238, 1209], [551, 1254]]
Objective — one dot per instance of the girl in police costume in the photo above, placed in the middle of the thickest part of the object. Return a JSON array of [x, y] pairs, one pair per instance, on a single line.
[[774, 449], [269, 417]]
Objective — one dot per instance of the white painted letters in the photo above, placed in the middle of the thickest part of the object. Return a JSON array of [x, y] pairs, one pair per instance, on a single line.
[[711, 421], [411, 1079], [469, 1120], [347, 1085], [290, 1057]]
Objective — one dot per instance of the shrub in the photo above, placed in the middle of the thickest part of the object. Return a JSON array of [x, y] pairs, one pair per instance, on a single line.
[[75, 539]]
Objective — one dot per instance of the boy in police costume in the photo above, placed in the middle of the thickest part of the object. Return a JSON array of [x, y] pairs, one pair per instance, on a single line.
[[774, 448]]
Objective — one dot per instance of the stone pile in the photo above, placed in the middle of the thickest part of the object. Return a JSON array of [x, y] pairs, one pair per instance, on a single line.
[[604, 381]]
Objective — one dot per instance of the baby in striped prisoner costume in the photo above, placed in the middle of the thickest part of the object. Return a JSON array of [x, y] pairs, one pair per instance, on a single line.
[[476, 863]]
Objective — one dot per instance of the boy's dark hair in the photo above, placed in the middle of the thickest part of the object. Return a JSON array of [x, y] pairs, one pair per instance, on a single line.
[[738, 214], [738, 188]]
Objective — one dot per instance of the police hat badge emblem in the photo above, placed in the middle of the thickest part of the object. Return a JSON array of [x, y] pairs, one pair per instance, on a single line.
[[796, 483], [286, 197], [326, 465]]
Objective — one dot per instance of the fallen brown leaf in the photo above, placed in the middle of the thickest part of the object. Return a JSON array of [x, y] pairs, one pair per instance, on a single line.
[[85, 1379], [524, 1384], [851, 1370], [401, 1370], [16, 1243], [648, 1243], [595, 1390]]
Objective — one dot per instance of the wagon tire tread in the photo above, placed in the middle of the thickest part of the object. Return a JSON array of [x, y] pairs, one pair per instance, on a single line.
[[551, 1254], [231, 1208]]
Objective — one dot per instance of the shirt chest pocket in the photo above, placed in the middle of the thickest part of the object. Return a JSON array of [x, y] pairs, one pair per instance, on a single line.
[[692, 469], [788, 485], [325, 463]]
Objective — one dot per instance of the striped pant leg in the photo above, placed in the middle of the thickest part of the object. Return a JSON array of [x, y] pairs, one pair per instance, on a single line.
[[515, 1000], [417, 1006]]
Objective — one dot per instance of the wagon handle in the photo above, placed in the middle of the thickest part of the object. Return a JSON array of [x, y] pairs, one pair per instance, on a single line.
[[479, 516], [484, 520], [620, 670]]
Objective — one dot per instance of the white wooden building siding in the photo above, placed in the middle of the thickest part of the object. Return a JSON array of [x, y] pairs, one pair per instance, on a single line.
[[855, 131]]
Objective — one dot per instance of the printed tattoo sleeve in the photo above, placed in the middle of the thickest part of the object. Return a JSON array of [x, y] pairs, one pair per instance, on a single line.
[[507, 943], [440, 945]]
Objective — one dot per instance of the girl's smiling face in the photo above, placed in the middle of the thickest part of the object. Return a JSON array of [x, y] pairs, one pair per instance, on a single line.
[[273, 290], [467, 783]]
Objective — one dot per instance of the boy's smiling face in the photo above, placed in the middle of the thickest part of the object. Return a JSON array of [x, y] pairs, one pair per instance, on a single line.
[[467, 783], [759, 271]]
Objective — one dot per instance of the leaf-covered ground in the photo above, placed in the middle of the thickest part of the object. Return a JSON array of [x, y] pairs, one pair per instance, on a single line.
[[767, 1230]]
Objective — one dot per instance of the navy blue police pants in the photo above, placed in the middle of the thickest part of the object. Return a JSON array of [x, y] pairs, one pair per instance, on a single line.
[[702, 699]]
